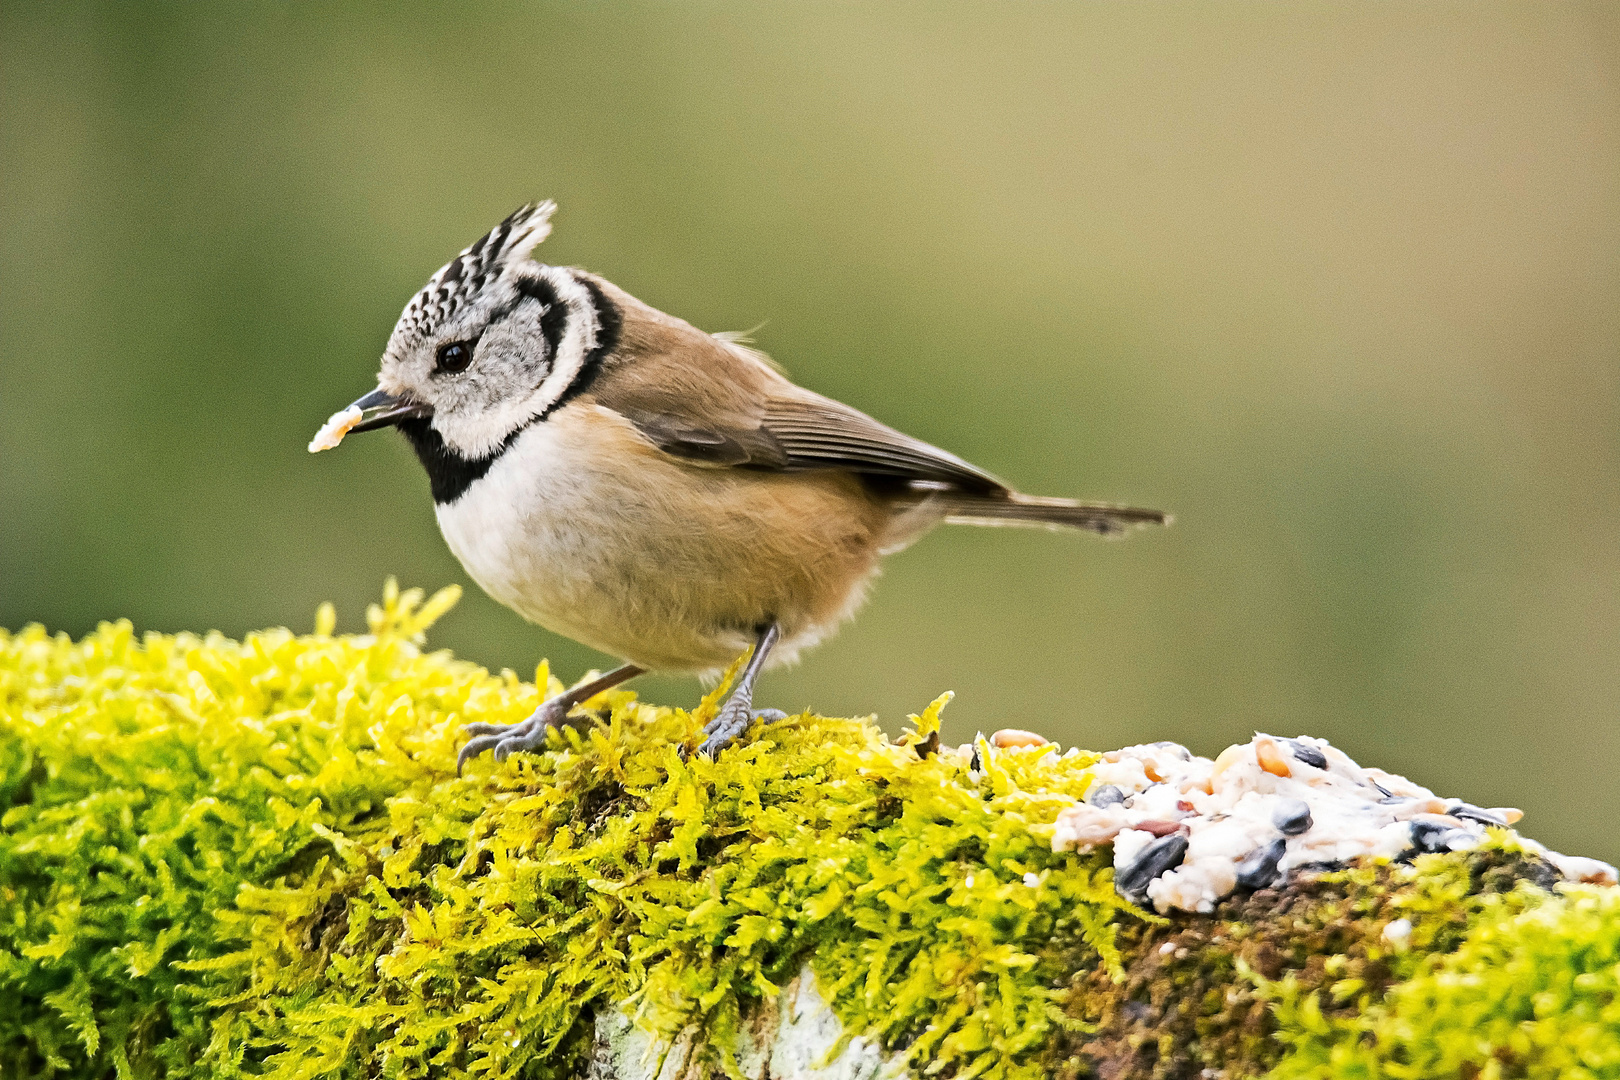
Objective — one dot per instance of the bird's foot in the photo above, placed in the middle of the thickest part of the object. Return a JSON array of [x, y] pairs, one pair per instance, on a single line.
[[732, 720], [506, 739]]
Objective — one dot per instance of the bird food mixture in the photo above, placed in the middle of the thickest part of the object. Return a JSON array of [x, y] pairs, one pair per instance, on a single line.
[[337, 425], [1188, 831]]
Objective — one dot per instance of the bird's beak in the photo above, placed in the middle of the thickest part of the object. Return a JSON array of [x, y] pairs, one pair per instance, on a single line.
[[377, 409], [380, 409]]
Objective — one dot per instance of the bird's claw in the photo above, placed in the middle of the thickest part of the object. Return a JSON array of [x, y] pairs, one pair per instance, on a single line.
[[732, 720], [490, 729], [503, 740]]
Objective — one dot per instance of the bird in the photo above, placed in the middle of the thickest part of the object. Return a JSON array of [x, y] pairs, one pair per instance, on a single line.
[[661, 494]]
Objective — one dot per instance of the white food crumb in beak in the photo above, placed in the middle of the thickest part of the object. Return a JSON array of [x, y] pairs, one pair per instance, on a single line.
[[334, 429]]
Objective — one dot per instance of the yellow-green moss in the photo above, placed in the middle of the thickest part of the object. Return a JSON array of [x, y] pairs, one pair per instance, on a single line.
[[1493, 984], [227, 859], [1301, 979], [255, 858]]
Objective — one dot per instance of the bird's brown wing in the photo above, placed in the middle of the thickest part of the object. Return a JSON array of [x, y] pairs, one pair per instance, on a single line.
[[800, 433], [819, 433], [705, 442], [715, 404], [712, 402], [811, 432]]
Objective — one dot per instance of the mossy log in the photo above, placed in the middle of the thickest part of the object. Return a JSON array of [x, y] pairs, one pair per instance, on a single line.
[[255, 858]]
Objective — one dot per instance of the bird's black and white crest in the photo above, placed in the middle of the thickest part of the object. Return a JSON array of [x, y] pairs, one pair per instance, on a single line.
[[529, 335], [480, 263]]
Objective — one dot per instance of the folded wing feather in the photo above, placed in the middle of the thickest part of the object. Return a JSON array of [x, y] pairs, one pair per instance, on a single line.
[[808, 431]]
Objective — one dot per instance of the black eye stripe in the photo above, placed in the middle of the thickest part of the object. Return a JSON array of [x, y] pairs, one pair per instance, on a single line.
[[553, 320], [552, 324], [537, 289], [527, 289], [455, 357], [609, 324]]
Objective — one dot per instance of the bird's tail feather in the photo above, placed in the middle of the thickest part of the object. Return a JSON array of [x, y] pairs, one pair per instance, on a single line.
[[1012, 508]]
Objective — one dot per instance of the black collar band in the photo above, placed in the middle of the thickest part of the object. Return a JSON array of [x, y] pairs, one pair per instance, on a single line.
[[449, 473]]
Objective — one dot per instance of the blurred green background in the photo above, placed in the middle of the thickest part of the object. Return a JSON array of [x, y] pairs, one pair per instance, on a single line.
[[1335, 283]]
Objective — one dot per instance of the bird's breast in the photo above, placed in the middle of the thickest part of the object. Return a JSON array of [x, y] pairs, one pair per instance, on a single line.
[[523, 529], [587, 529]]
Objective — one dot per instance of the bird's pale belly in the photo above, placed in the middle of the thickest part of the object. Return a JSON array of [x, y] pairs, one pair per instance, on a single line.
[[668, 565]]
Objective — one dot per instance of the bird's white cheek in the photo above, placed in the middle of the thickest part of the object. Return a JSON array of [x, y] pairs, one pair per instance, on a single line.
[[476, 432]]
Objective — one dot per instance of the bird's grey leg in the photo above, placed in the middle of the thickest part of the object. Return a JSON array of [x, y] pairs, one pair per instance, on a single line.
[[504, 739], [738, 711]]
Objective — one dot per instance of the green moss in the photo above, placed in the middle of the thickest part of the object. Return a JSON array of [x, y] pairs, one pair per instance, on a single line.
[[254, 859], [1202, 992], [1518, 983], [241, 859]]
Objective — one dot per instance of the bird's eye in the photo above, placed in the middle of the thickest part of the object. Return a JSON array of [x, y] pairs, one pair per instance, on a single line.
[[454, 358]]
